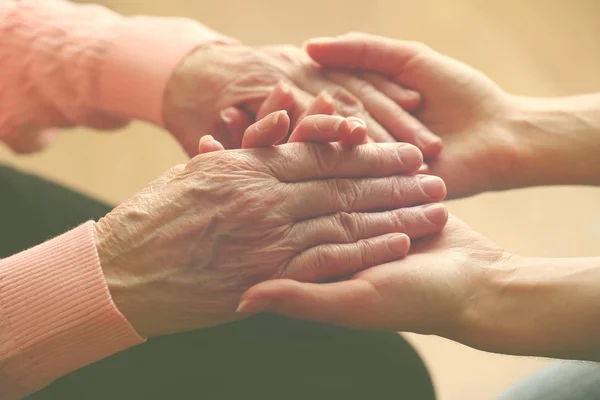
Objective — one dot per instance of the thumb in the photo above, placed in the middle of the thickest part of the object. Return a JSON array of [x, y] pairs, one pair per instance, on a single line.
[[348, 303], [362, 51]]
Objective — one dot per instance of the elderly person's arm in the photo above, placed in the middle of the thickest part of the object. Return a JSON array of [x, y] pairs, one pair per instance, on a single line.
[[92, 291], [64, 64], [178, 255]]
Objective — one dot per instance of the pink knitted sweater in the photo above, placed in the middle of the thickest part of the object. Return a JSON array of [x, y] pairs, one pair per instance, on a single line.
[[63, 64]]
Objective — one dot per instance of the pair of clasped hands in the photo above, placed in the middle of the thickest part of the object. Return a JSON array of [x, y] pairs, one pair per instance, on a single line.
[[321, 230]]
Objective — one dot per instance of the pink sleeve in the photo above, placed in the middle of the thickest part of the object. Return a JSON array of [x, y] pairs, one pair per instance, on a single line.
[[63, 64], [56, 313]]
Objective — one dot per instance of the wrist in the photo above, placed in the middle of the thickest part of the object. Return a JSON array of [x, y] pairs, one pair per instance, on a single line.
[[116, 273], [557, 140], [537, 307], [139, 60]]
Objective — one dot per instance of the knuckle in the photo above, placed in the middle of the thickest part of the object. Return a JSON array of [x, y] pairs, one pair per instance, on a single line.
[[345, 192], [401, 188], [327, 158], [398, 219], [349, 225], [328, 256], [383, 158], [366, 253]]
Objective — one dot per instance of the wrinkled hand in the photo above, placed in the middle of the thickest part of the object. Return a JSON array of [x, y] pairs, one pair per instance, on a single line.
[[431, 291], [178, 255], [460, 104], [222, 89]]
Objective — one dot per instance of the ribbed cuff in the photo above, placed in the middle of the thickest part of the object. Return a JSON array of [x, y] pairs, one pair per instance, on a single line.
[[140, 60], [56, 313]]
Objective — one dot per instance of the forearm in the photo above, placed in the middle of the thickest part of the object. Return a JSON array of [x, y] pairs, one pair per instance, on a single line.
[[56, 314], [558, 140], [65, 64], [541, 307]]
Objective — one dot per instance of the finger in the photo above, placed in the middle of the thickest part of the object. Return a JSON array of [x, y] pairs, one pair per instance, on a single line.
[[363, 51], [352, 303], [409, 100], [230, 131], [358, 132], [268, 131], [296, 162], [328, 261], [280, 98], [321, 128], [403, 126], [31, 140], [323, 104], [424, 169], [415, 222], [208, 144], [347, 104], [325, 197], [376, 132]]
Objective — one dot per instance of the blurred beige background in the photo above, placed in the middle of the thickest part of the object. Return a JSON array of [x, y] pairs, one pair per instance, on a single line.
[[536, 47]]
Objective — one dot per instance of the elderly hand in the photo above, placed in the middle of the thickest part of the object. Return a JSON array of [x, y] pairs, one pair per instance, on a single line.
[[460, 104], [178, 255], [220, 85]]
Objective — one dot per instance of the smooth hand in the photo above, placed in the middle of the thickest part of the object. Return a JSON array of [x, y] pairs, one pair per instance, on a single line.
[[460, 104], [178, 255], [427, 292]]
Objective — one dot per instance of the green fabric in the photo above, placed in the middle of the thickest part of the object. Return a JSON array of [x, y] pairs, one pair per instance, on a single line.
[[264, 357]]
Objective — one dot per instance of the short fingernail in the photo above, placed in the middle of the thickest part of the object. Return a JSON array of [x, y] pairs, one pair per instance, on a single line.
[[436, 213], [224, 114], [252, 306], [270, 121], [433, 186], [410, 155], [356, 123], [329, 123], [398, 243]]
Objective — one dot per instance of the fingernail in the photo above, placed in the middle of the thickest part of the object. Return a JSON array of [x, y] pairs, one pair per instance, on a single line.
[[410, 156], [432, 186], [226, 118], [252, 306], [398, 243], [356, 123], [270, 121], [436, 213], [328, 123], [278, 115]]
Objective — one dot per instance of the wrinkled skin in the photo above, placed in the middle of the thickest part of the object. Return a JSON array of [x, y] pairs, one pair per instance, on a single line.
[[178, 255], [221, 90]]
